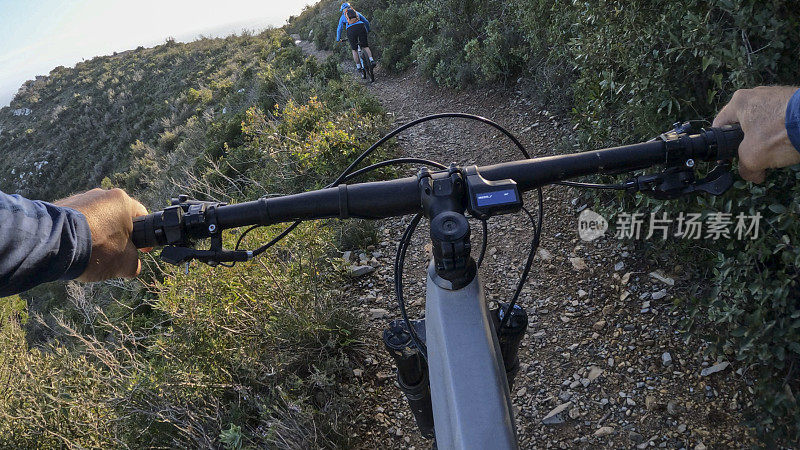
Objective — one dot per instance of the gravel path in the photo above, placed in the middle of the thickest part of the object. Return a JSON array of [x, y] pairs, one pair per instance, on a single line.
[[603, 344]]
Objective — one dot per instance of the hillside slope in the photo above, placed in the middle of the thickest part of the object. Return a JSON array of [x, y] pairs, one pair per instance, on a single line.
[[258, 355], [89, 122]]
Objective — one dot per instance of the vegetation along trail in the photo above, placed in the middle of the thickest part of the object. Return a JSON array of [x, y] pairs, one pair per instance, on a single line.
[[603, 344]]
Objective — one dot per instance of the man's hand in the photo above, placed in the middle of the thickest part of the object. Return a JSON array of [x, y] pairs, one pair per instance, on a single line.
[[110, 215], [761, 112]]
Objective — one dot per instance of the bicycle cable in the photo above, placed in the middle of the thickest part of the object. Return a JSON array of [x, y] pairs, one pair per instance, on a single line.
[[580, 184], [399, 263], [374, 147], [526, 271], [349, 174]]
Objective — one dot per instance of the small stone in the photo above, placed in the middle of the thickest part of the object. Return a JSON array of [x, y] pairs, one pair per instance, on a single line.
[[619, 266], [650, 402], [378, 313], [556, 416], [660, 277], [582, 293], [672, 408], [682, 428], [715, 368], [659, 295], [604, 431], [666, 359], [358, 372], [608, 309], [700, 446], [635, 437], [594, 372], [544, 255], [599, 325], [347, 255], [358, 271], [578, 263]]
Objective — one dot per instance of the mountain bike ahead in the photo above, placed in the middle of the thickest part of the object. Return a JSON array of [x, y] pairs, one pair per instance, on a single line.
[[367, 68], [455, 367]]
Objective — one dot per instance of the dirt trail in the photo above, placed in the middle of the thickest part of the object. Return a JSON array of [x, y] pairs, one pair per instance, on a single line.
[[602, 339]]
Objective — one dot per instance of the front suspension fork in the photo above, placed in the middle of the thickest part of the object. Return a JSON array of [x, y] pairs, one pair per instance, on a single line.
[[412, 370]]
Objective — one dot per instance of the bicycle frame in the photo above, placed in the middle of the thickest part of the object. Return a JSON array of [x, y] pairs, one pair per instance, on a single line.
[[469, 390]]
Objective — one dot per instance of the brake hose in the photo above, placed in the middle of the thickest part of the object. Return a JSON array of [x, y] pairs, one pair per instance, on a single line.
[[346, 175], [347, 172]]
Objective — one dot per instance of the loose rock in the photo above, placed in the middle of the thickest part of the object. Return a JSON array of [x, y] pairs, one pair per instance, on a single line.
[[556, 416], [578, 263], [604, 431], [714, 369], [660, 277], [359, 271], [659, 295], [378, 313], [594, 372]]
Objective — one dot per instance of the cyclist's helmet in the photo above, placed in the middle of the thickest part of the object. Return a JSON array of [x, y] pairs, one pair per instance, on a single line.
[[344, 6]]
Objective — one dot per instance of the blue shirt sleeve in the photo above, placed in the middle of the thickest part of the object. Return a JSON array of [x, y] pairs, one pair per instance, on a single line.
[[793, 119], [40, 242], [339, 28], [364, 19]]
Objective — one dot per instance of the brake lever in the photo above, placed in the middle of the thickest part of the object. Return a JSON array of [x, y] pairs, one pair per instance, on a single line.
[[676, 182], [178, 255], [717, 182]]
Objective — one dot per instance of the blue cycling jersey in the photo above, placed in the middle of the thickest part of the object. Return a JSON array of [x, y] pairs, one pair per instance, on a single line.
[[343, 25]]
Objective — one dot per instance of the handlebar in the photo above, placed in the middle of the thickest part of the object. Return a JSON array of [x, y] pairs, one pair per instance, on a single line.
[[383, 199]]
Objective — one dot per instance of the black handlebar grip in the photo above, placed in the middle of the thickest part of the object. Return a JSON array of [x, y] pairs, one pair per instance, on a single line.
[[146, 231], [727, 139]]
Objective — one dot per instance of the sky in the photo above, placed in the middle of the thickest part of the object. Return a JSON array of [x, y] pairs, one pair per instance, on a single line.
[[38, 35]]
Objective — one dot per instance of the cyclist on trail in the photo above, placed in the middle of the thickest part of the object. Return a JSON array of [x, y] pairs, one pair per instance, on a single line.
[[88, 236], [357, 27]]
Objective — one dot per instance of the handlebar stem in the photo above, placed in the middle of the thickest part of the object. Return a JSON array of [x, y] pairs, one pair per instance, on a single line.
[[443, 202]]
